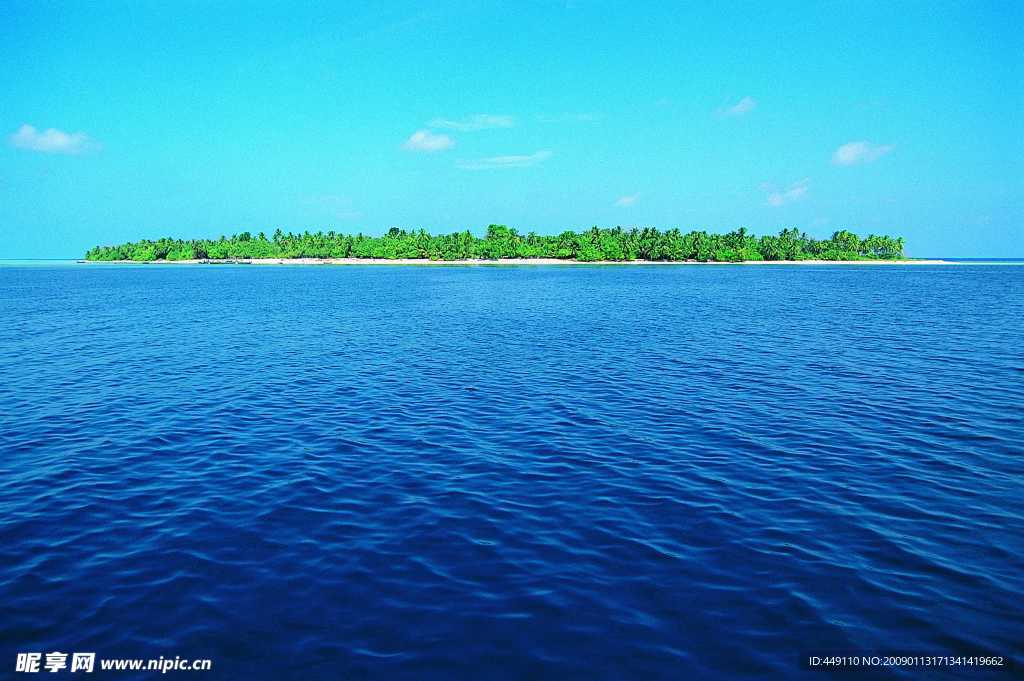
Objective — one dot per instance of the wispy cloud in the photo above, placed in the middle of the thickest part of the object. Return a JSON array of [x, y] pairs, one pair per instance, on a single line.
[[523, 161], [795, 192], [626, 201], [744, 106], [474, 122], [52, 140], [424, 140], [863, 151]]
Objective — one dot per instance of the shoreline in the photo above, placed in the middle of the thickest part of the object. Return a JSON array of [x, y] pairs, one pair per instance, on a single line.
[[502, 262]]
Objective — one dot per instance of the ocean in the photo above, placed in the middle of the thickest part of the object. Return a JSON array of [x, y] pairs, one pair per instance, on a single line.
[[575, 472]]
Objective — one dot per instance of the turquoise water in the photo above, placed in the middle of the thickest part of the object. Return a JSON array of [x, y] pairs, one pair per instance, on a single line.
[[384, 472]]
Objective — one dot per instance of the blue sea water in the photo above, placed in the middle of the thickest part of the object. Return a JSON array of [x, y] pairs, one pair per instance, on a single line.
[[511, 472]]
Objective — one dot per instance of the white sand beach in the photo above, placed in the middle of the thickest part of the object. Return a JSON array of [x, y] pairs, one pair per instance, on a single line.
[[504, 262]]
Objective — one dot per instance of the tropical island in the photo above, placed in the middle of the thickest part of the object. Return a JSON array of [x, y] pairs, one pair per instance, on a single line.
[[504, 243]]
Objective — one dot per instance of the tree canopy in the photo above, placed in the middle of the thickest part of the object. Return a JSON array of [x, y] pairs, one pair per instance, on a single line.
[[504, 242]]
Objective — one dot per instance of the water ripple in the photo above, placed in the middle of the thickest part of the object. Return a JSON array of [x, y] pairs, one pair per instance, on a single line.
[[593, 473]]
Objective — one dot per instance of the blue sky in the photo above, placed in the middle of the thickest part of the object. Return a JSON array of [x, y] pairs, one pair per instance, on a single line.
[[129, 120]]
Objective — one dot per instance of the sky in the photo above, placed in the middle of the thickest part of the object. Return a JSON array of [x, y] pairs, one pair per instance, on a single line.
[[129, 120]]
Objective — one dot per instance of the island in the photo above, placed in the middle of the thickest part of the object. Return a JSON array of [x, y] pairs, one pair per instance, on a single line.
[[505, 244]]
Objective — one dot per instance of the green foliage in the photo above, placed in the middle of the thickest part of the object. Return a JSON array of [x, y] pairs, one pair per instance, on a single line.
[[499, 242]]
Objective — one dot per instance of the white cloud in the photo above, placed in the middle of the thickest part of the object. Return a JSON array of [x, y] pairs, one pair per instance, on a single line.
[[744, 106], [852, 153], [626, 201], [523, 161], [424, 140], [795, 192], [51, 140], [474, 122]]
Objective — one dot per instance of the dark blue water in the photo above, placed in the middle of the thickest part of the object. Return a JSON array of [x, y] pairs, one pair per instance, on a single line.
[[511, 473]]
